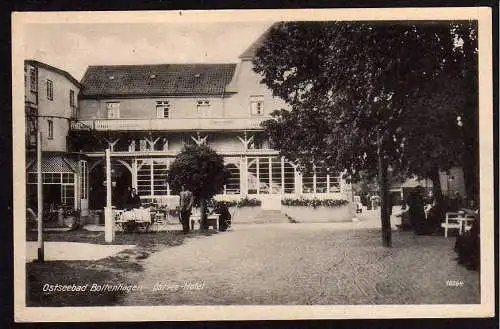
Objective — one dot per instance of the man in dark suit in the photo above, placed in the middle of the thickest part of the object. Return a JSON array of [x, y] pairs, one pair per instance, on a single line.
[[132, 200]]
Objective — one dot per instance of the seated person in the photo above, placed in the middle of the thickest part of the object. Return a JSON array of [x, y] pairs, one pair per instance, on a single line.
[[131, 200], [225, 217]]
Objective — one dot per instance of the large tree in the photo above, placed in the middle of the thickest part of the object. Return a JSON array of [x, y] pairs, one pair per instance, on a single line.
[[201, 170], [366, 96]]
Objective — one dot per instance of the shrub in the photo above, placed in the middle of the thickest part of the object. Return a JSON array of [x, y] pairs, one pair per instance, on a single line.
[[332, 203], [244, 202]]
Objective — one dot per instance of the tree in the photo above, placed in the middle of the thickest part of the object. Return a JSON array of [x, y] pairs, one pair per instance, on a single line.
[[357, 94], [201, 170]]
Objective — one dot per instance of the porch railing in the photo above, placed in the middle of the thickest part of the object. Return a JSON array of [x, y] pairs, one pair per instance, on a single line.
[[174, 124]]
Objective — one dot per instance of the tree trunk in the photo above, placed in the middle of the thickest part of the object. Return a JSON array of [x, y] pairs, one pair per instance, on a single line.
[[436, 188], [384, 209], [470, 158], [203, 214]]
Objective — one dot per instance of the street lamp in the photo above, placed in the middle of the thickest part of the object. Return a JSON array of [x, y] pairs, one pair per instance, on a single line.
[[40, 249]]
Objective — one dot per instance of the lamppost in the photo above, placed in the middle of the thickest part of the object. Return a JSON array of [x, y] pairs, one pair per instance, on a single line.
[[41, 255]]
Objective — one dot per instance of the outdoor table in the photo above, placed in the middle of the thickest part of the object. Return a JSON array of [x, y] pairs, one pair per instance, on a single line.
[[140, 217]]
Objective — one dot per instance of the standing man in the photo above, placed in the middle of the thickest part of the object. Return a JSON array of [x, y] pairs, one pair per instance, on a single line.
[[186, 204]]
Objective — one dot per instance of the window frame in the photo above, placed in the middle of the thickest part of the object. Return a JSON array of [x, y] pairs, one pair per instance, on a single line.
[[255, 102], [205, 102], [72, 98], [115, 110], [163, 105], [50, 128], [33, 72], [50, 89]]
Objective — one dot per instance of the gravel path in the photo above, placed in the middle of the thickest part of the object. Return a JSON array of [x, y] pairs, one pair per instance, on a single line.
[[302, 264]]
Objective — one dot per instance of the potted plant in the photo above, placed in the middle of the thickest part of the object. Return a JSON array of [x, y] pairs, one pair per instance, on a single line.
[[72, 219]]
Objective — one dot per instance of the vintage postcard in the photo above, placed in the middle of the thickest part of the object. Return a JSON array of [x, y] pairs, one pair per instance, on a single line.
[[241, 165]]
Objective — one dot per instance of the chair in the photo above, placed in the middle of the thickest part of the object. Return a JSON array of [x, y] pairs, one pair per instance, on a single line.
[[159, 219], [455, 220]]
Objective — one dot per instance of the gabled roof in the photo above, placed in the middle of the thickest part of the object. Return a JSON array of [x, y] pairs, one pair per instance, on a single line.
[[53, 69], [250, 52], [156, 80]]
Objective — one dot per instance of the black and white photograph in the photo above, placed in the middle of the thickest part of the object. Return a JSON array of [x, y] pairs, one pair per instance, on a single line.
[[267, 164]]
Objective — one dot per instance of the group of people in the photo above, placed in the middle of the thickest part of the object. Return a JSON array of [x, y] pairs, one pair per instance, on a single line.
[[131, 200], [425, 215]]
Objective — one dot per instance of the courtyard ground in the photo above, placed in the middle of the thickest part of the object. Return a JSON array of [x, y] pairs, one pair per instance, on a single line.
[[305, 264], [285, 263]]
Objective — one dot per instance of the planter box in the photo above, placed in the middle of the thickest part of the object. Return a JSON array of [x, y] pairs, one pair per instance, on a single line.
[[244, 214], [321, 214]]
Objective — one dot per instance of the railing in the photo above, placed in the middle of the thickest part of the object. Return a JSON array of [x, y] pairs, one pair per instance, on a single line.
[[176, 124], [173, 153]]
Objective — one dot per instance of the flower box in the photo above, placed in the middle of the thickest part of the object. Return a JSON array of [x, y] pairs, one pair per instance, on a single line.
[[319, 211]]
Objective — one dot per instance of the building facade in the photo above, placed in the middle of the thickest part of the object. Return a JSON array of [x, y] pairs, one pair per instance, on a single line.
[[51, 103], [146, 113]]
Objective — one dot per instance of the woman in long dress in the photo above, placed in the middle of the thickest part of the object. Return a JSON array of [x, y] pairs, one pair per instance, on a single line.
[[416, 210]]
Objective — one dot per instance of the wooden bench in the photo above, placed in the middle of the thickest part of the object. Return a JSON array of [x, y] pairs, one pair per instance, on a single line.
[[212, 220], [457, 220]]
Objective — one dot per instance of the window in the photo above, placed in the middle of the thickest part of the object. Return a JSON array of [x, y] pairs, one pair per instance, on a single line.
[[162, 109], [84, 189], [144, 174], [160, 173], [71, 98], [50, 90], [113, 110], [33, 79], [68, 195], [51, 129], [233, 182], [203, 107], [256, 105], [203, 102]]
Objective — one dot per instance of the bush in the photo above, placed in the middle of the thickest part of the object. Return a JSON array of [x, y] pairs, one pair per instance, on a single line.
[[332, 203], [245, 202]]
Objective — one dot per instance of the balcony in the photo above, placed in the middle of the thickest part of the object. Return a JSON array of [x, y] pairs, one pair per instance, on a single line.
[[173, 153], [174, 124]]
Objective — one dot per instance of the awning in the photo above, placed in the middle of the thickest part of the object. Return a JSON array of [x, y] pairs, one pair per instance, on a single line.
[[54, 163]]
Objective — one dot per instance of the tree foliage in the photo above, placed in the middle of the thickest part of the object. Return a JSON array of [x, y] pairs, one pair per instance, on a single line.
[[200, 169], [359, 88], [369, 96]]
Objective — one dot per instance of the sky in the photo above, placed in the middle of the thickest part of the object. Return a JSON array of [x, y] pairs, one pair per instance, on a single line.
[[73, 47]]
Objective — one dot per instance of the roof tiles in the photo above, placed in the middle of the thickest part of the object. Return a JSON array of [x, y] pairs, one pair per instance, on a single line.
[[156, 80]]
